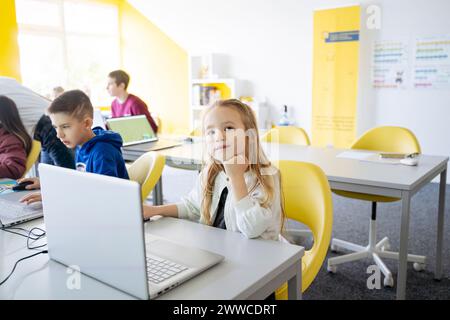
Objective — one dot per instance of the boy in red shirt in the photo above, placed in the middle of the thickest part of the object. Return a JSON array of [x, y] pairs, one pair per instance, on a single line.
[[125, 103]]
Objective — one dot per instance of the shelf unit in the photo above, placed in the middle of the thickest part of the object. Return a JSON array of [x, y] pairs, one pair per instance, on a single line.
[[204, 91]]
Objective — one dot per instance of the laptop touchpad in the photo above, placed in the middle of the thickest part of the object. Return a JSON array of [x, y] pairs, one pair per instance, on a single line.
[[181, 254]]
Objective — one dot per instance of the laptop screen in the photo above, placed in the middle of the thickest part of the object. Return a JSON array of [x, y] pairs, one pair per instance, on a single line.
[[135, 129]]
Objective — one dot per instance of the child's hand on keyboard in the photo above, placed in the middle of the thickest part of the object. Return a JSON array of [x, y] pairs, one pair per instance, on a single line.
[[32, 198], [150, 211], [35, 185], [168, 210]]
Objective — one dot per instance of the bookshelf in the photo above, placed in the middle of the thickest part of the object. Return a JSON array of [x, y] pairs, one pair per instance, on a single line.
[[208, 82]]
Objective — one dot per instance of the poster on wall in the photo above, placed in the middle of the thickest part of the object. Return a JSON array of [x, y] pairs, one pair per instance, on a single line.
[[432, 63], [390, 64], [335, 76]]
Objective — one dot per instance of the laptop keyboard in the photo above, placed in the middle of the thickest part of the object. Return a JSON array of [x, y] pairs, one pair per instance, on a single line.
[[159, 269], [14, 210]]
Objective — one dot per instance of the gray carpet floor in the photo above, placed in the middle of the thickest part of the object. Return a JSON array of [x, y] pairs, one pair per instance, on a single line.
[[351, 223]]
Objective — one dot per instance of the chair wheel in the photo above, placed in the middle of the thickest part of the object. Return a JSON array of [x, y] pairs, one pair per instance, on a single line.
[[331, 269], [333, 248], [419, 266], [388, 282]]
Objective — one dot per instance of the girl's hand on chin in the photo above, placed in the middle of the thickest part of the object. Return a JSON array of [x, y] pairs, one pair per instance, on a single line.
[[236, 166]]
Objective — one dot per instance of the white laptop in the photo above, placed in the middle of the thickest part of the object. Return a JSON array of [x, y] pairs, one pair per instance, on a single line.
[[98, 120], [137, 134], [13, 212], [95, 223]]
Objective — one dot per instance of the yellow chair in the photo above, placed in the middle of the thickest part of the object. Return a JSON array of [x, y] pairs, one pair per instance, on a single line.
[[287, 135], [157, 120], [307, 199], [147, 170], [386, 139], [33, 156], [197, 132]]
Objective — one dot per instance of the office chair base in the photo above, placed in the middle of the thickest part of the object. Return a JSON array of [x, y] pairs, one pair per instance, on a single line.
[[376, 251]]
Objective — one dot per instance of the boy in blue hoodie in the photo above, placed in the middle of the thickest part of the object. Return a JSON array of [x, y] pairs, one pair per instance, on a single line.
[[97, 150]]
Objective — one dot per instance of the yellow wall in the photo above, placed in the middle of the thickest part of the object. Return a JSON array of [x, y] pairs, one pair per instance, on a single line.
[[158, 68], [9, 49], [157, 65]]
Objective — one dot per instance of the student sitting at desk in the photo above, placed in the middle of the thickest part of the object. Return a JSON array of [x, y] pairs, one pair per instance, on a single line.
[[15, 142], [238, 189], [97, 151], [126, 104], [31, 107]]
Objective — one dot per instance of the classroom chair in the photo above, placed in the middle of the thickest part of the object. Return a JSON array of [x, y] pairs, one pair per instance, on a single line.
[[147, 170], [307, 199], [287, 135], [33, 156], [386, 139], [157, 120], [197, 132]]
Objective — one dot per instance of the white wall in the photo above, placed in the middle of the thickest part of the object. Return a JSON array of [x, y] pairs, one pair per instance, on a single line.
[[269, 43], [425, 112]]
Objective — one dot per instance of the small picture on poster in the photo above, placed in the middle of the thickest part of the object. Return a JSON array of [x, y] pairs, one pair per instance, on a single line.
[[389, 64]]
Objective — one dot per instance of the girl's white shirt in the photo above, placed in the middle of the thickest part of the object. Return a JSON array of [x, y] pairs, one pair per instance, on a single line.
[[246, 215]]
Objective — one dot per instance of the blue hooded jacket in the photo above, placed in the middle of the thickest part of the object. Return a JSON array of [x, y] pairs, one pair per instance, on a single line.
[[102, 155]]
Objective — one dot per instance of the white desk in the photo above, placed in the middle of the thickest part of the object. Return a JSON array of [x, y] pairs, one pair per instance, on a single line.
[[351, 175], [252, 269]]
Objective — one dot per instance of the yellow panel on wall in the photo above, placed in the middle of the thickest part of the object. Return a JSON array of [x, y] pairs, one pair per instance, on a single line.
[[9, 52], [335, 76], [158, 68]]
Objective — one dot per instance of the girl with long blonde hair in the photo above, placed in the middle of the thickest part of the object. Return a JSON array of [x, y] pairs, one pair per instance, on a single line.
[[238, 189]]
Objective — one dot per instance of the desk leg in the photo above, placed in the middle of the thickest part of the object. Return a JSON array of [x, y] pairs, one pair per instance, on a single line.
[[403, 254], [295, 284], [440, 225], [158, 193], [35, 169]]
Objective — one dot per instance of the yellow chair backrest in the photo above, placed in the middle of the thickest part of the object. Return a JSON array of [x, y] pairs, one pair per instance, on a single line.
[[197, 132], [287, 135], [307, 199], [388, 139], [147, 170], [158, 121], [33, 156]]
